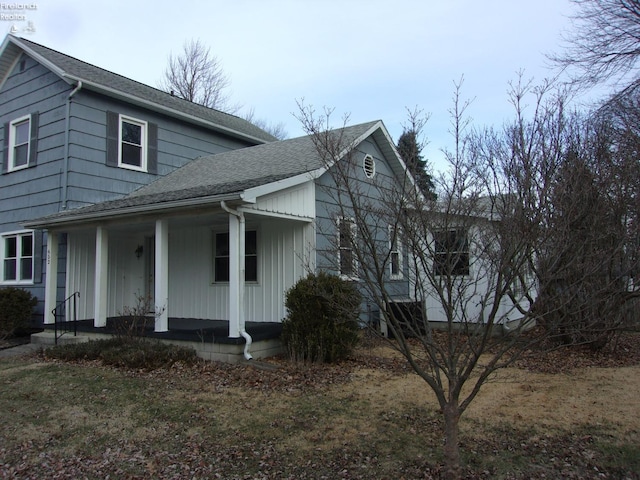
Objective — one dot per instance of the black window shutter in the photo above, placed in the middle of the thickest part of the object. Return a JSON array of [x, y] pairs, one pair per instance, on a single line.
[[152, 148], [5, 149], [33, 141], [37, 257], [112, 139]]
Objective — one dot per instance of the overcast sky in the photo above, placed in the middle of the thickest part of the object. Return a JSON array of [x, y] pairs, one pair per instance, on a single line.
[[370, 59]]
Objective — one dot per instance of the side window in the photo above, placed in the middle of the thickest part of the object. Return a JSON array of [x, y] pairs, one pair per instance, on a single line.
[[17, 257], [451, 252], [395, 252], [131, 143], [221, 257], [346, 241], [20, 143]]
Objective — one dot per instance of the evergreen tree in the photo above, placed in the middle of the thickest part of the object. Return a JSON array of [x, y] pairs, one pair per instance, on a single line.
[[410, 151]]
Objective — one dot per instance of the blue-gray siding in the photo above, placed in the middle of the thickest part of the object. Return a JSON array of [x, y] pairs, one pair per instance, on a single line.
[[372, 197]]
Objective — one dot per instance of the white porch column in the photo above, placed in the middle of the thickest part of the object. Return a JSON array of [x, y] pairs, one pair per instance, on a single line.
[[102, 278], [51, 277], [162, 276], [236, 275]]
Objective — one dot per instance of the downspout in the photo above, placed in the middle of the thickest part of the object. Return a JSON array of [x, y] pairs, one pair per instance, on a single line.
[[65, 166], [243, 332]]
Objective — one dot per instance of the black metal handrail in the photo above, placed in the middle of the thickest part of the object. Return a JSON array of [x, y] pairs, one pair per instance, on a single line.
[[61, 312]]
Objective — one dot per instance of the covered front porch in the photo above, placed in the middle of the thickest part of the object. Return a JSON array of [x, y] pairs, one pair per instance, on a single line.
[[212, 277]]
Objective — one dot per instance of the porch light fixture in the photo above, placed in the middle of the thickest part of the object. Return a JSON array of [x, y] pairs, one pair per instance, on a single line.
[[139, 251]]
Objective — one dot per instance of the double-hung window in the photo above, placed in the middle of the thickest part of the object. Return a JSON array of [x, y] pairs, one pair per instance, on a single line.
[[221, 257], [395, 253], [133, 144], [20, 143], [451, 249], [19, 133], [17, 257], [346, 241]]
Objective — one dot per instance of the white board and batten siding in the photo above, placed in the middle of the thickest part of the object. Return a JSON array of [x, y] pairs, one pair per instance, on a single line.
[[126, 275], [193, 293]]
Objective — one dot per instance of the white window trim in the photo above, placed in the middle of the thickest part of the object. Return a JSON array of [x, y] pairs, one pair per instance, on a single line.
[[256, 255], [354, 260], [18, 234], [397, 248], [11, 167], [143, 141]]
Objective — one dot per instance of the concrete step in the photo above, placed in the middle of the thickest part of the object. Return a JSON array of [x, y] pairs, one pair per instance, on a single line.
[[47, 338]]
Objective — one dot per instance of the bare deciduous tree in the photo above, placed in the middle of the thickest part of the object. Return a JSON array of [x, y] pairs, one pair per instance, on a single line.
[[197, 75], [278, 130], [472, 257], [604, 43]]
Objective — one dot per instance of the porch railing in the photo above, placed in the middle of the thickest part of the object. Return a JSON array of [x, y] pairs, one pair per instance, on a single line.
[[68, 306]]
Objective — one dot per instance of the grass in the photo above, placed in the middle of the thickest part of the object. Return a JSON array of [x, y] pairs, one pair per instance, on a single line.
[[78, 420]]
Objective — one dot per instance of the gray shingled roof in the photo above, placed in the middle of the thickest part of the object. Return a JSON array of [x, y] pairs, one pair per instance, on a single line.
[[221, 174], [112, 83], [248, 167]]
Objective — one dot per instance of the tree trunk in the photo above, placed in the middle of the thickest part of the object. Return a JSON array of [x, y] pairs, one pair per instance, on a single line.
[[452, 469]]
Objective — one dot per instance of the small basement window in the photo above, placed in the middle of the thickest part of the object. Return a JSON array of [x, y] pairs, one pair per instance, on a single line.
[[369, 166]]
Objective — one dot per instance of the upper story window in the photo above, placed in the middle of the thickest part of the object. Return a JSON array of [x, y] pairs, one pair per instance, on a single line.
[[20, 143], [17, 257], [133, 144], [451, 252], [19, 133], [221, 257]]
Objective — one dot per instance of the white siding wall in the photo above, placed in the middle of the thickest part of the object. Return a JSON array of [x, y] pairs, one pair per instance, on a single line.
[[298, 201], [282, 249], [125, 276], [472, 290], [81, 261]]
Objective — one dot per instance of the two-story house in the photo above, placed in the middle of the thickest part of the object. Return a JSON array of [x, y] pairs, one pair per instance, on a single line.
[[124, 190]]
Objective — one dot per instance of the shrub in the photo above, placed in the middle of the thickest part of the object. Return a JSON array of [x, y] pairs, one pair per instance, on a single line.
[[125, 353], [322, 320], [16, 308], [133, 321]]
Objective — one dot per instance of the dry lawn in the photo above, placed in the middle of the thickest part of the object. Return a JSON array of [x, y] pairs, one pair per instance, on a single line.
[[369, 417]]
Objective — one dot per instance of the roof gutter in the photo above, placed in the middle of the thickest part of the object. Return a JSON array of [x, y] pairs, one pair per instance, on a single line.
[[72, 219]]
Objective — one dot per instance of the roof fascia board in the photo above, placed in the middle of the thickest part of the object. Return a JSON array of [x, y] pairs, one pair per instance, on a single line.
[[360, 139], [348, 148], [51, 66], [266, 189], [165, 207], [284, 216], [375, 128], [71, 79]]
